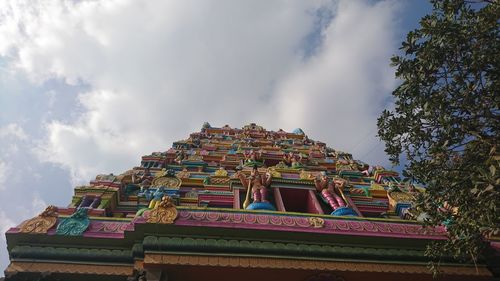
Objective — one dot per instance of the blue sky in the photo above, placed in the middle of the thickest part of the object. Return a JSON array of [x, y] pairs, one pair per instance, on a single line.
[[87, 87]]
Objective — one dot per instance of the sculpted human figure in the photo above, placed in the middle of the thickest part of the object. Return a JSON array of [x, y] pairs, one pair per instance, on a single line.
[[180, 156], [293, 160], [287, 158], [328, 190], [184, 174], [252, 156], [258, 183], [144, 180]]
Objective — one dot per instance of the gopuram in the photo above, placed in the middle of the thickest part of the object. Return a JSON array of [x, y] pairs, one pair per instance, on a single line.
[[237, 204]]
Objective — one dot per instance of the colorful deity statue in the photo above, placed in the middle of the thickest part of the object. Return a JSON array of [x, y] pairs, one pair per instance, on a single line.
[[184, 174], [293, 160], [328, 191], [252, 158], [157, 196], [153, 194], [144, 180], [268, 136], [257, 185], [305, 175], [180, 156]]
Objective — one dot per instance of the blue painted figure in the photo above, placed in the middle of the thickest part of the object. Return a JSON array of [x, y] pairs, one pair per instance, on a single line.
[[157, 195], [153, 194]]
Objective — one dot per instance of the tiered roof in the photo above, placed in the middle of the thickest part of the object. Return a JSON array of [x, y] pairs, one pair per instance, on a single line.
[[207, 163], [185, 209]]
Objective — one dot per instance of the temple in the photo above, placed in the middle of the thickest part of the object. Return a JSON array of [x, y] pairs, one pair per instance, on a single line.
[[237, 204]]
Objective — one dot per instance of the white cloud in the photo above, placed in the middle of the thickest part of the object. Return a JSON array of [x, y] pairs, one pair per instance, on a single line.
[[5, 224], [5, 171], [339, 93], [18, 215], [13, 130], [157, 70], [37, 205]]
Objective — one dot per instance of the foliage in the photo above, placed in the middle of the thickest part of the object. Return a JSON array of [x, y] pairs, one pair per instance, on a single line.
[[445, 122]]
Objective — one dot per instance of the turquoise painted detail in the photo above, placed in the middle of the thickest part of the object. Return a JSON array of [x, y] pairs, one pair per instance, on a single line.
[[448, 222], [344, 211], [261, 206], [74, 225], [298, 131]]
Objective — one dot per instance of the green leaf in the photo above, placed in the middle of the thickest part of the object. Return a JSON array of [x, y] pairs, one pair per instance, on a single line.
[[445, 120]]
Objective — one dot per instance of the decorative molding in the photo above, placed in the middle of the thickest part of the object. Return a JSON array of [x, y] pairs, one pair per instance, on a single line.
[[219, 180], [42, 223], [164, 213], [109, 227], [151, 244], [279, 263], [16, 267], [218, 218], [302, 223], [73, 254]]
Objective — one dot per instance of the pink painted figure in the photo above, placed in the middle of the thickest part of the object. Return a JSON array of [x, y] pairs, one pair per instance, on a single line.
[[327, 189], [259, 184], [289, 158]]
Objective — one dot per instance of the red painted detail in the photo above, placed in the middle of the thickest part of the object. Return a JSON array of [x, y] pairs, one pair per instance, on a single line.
[[279, 200], [299, 200]]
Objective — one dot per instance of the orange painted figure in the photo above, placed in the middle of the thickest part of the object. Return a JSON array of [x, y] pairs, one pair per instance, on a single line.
[[327, 189], [258, 183]]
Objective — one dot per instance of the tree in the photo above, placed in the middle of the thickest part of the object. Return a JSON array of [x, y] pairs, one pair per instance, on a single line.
[[445, 122]]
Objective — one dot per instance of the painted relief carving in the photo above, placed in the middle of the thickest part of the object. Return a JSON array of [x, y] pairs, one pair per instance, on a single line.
[[164, 213], [42, 223], [75, 225], [317, 222]]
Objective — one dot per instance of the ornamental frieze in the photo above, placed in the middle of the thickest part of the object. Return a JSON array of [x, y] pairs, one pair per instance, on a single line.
[[219, 219]]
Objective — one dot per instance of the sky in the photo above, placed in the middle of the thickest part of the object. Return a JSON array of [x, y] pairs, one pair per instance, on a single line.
[[88, 87]]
